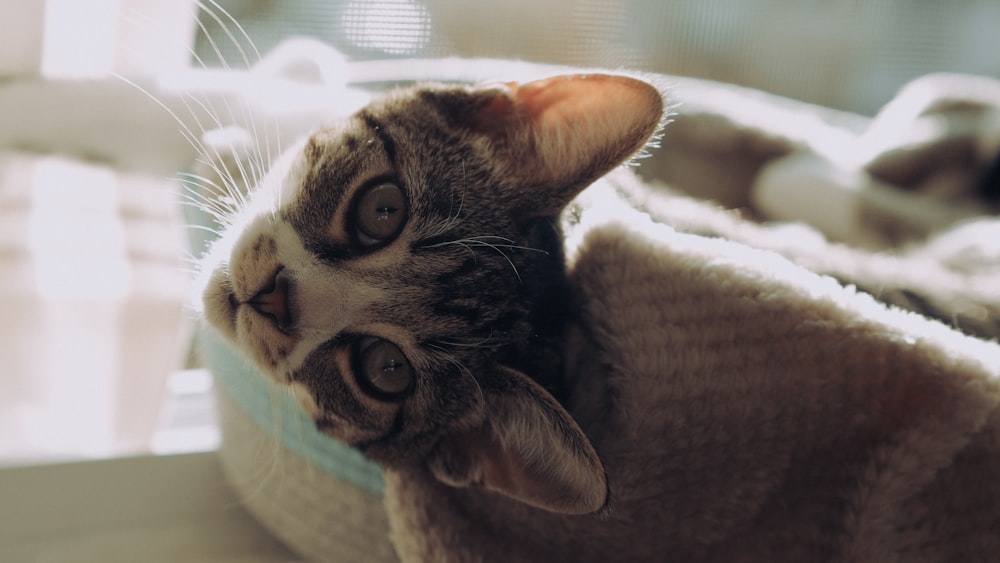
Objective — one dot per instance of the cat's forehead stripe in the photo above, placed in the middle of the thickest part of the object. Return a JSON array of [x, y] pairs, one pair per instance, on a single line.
[[337, 158], [376, 126]]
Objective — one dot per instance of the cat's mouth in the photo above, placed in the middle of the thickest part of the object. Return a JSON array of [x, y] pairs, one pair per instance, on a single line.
[[263, 325]]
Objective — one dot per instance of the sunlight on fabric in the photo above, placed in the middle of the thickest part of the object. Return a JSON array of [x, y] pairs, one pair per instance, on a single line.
[[397, 27], [74, 234]]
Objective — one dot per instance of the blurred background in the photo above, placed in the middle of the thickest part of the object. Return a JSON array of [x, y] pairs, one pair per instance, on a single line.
[[95, 270], [847, 54]]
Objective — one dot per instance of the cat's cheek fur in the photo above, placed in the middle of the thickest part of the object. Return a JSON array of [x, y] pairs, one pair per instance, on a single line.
[[305, 399], [218, 307], [269, 348]]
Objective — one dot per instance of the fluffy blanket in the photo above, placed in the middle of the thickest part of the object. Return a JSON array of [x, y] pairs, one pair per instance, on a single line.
[[879, 427], [902, 206]]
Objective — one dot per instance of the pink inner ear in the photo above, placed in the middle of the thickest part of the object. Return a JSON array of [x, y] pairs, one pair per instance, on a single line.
[[578, 97], [557, 135], [584, 125], [539, 96]]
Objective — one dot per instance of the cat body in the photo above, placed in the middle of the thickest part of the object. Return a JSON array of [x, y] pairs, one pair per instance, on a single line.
[[727, 444], [403, 272]]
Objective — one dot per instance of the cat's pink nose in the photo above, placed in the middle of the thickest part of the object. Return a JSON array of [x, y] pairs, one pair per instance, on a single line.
[[272, 301]]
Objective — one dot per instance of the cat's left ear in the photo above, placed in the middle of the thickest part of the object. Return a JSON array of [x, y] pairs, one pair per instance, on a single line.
[[528, 448], [559, 134]]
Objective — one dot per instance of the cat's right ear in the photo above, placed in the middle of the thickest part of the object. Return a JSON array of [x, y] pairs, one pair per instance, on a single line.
[[527, 447], [558, 135]]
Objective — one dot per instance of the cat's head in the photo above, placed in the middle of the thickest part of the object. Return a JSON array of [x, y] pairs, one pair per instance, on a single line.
[[390, 268]]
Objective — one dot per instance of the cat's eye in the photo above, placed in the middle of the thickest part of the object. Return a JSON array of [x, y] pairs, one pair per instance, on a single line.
[[379, 214], [381, 369]]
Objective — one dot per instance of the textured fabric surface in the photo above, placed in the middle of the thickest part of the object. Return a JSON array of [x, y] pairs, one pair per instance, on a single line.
[[281, 418], [323, 499], [321, 515], [844, 212], [805, 420]]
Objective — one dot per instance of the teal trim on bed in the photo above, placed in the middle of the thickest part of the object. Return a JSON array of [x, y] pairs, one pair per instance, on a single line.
[[277, 413]]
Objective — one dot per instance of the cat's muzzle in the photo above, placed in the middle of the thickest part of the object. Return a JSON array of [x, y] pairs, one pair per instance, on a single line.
[[272, 301]]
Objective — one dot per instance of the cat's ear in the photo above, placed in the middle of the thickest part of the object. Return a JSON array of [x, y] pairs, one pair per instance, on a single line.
[[559, 134], [528, 448]]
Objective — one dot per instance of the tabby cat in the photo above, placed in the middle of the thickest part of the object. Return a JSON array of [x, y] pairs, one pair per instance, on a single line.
[[402, 271]]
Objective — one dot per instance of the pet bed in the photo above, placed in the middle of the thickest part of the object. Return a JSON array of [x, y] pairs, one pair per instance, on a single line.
[[733, 191]]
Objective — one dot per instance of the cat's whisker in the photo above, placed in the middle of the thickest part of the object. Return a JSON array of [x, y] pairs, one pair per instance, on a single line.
[[468, 244], [236, 195], [185, 129], [214, 157], [262, 153], [213, 12], [481, 241], [252, 174], [220, 207], [249, 172], [493, 237], [190, 264], [467, 373], [191, 195], [136, 18], [202, 191], [481, 344], [509, 243], [231, 186], [204, 228], [434, 346], [478, 344], [200, 180], [505, 257], [461, 202], [453, 243], [213, 214]]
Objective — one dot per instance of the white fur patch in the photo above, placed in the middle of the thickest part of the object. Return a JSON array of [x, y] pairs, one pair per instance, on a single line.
[[304, 397]]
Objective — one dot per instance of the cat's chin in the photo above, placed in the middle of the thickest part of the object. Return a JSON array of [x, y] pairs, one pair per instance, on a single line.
[[220, 305]]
